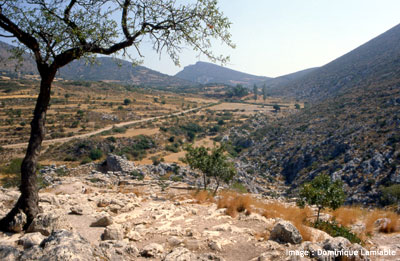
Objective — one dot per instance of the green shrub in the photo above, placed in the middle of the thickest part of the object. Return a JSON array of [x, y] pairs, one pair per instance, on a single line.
[[127, 101], [95, 154], [111, 139], [390, 194], [86, 160], [172, 147], [137, 175], [336, 230], [239, 187]]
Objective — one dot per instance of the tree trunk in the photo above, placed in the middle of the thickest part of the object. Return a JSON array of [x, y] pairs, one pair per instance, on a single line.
[[29, 198]]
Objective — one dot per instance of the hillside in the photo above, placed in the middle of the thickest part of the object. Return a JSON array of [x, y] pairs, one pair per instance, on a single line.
[[372, 62], [119, 71], [8, 67], [205, 73], [104, 69], [350, 130]]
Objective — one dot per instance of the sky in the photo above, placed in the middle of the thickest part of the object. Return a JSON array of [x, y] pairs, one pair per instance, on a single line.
[[277, 37]]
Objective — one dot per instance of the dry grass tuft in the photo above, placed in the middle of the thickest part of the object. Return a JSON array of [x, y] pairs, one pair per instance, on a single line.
[[202, 196], [235, 203], [389, 227], [348, 215]]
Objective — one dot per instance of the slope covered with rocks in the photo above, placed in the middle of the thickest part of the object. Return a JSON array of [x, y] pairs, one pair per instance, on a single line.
[[93, 213]]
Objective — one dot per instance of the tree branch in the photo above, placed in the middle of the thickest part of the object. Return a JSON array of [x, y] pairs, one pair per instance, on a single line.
[[22, 36]]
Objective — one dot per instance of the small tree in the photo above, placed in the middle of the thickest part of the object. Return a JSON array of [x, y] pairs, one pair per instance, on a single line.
[[255, 91], [276, 107], [323, 193], [214, 164], [127, 101], [264, 92]]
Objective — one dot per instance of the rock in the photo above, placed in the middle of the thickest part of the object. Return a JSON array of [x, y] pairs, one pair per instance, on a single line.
[[102, 221], [62, 245], [113, 232], [31, 239], [152, 250], [214, 245], [119, 250], [18, 222], [285, 232], [46, 223], [180, 254], [134, 235], [174, 241], [76, 210], [336, 243], [209, 256], [9, 253], [117, 163]]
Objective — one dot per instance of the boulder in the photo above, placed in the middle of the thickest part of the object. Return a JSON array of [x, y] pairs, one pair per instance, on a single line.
[[117, 163], [152, 250], [285, 232], [18, 222], [46, 223], [31, 239], [62, 245], [113, 232], [9, 253], [102, 221], [180, 254]]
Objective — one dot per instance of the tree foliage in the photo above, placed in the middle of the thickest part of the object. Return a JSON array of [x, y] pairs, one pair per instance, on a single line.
[[323, 193], [214, 163], [264, 92], [237, 91], [255, 92], [56, 32]]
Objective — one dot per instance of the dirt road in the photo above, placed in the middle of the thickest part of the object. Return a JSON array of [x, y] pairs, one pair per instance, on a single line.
[[122, 124]]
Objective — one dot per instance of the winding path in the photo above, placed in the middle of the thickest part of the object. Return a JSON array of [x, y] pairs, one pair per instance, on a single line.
[[122, 124]]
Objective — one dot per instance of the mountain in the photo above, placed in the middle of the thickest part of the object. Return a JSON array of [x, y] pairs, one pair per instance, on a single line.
[[372, 62], [117, 70], [206, 73], [11, 67], [103, 69], [349, 130]]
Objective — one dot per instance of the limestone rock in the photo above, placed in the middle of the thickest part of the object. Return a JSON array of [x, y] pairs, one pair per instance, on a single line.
[[9, 253], [113, 232], [62, 245], [285, 232], [76, 210], [17, 224], [102, 221], [152, 250], [180, 254], [46, 223], [117, 163], [119, 250], [31, 239]]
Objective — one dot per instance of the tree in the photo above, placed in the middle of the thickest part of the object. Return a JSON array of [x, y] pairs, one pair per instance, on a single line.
[[127, 101], [255, 91], [214, 164], [56, 32], [323, 193], [264, 92], [276, 107]]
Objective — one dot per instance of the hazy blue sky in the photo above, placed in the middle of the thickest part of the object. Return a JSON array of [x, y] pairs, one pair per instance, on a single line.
[[276, 37]]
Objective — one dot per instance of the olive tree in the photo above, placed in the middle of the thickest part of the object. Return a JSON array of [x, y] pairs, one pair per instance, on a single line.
[[214, 164], [323, 193], [57, 32]]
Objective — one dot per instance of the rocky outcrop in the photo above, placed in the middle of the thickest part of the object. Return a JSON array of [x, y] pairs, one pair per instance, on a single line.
[[285, 232], [119, 163]]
